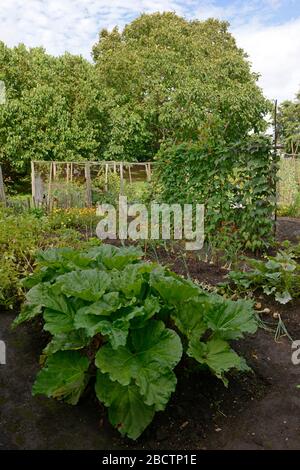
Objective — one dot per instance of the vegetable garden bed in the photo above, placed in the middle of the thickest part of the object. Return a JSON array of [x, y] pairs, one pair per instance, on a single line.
[[257, 411]]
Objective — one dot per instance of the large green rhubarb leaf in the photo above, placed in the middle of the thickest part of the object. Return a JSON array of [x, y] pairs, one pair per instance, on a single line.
[[63, 377], [113, 257], [217, 355], [173, 289], [55, 256], [229, 319], [65, 259], [109, 303], [67, 341], [189, 317], [46, 295], [129, 281], [116, 326], [28, 312], [127, 410], [43, 295], [156, 386], [154, 351], [40, 275], [89, 284], [58, 322], [94, 324], [150, 307]]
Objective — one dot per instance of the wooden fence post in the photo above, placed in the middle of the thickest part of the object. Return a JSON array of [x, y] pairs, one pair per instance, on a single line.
[[68, 172], [54, 171], [88, 185], [39, 190], [50, 186], [33, 183], [2, 190], [148, 171], [106, 178], [129, 172], [121, 179]]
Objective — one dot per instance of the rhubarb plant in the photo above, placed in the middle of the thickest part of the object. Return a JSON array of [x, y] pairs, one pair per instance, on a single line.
[[125, 324]]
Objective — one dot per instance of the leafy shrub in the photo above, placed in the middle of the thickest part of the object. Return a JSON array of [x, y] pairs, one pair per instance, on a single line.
[[236, 184], [106, 192], [71, 194], [126, 322], [292, 210], [20, 237], [84, 218], [136, 192], [278, 276], [288, 189], [9, 281]]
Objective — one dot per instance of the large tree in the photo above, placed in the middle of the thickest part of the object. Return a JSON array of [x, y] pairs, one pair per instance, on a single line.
[[289, 125], [162, 80], [52, 112], [173, 80]]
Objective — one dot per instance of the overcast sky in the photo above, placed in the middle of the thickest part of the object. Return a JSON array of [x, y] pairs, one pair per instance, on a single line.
[[268, 30]]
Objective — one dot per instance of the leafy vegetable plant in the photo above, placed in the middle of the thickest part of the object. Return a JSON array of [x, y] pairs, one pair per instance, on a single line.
[[126, 323], [279, 276], [21, 236]]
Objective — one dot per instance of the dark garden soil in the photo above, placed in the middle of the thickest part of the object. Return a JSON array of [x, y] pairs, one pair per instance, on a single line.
[[260, 410], [288, 228]]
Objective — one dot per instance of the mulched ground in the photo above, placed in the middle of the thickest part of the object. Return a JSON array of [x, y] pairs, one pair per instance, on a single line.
[[258, 411]]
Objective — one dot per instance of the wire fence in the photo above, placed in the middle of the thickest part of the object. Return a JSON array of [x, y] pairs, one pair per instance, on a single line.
[[83, 184]]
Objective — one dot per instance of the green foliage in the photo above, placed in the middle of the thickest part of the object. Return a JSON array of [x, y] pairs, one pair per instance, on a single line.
[[130, 321], [288, 188], [69, 194], [21, 235], [163, 79], [53, 109], [19, 238], [75, 218], [108, 190], [217, 355], [174, 80], [126, 407], [236, 184], [278, 276], [289, 125], [63, 377]]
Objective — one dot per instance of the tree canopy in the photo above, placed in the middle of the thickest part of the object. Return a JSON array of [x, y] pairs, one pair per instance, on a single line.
[[289, 125], [52, 110], [176, 80], [162, 80]]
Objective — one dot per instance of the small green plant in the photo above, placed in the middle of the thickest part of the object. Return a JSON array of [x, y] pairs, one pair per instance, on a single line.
[[21, 235], [65, 195], [84, 219], [288, 187], [278, 276], [108, 190], [127, 323]]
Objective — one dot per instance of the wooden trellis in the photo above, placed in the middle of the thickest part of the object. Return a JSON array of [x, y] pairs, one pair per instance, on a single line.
[[45, 176]]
